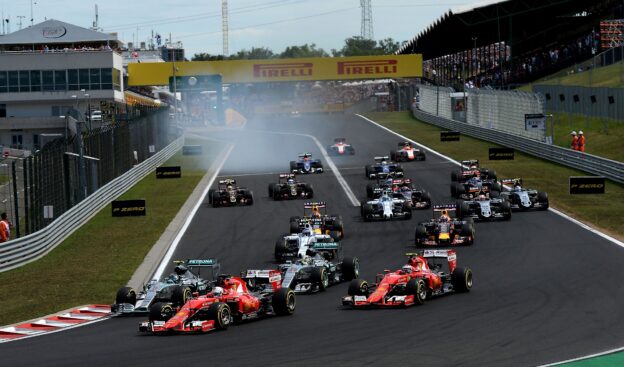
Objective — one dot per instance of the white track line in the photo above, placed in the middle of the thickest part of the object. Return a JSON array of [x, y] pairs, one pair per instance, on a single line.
[[555, 211], [189, 219]]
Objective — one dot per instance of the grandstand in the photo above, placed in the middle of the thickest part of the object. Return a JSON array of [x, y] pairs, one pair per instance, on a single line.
[[497, 44]]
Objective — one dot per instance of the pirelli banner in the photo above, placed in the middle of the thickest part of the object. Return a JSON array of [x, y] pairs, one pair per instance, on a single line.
[[587, 185], [281, 70]]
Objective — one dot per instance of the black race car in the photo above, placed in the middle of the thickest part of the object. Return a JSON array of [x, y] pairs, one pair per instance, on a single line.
[[229, 194], [315, 213], [470, 188], [288, 187], [470, 168], [306, 164], [382, 169]]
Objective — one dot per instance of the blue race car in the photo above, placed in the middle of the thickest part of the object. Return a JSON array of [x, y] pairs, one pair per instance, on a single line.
[[306, 164], [383, 168]]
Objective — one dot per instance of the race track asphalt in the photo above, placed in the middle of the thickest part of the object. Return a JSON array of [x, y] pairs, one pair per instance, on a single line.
[[544, 288]]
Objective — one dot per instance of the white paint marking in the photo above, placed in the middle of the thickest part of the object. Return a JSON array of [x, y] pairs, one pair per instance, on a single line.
[[585, 357], [189, 219], [55, 331]]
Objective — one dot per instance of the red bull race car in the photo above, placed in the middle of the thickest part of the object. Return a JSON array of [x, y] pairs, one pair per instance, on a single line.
[[407, 153], [340, 147], [256, 294], [315, 214], [445, 229], [430, 274]]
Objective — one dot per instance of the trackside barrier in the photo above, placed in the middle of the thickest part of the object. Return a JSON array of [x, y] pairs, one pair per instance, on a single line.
[[18, 252], [611, 169]]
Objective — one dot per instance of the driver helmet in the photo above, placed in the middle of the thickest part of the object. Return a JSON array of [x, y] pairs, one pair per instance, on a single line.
[[482, 197], [518, 187], [217, 291], [407, 269], [291, 181], [173, 278], [384, 162], [443, 218], [306, 231], [229, 186], [413, 261], [315, 212]]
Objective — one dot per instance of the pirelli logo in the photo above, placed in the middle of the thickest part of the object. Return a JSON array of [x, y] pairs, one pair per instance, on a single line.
[[168, 172], [587, 185], [501, 154], [368, 67], [300, 69], [128, 208]]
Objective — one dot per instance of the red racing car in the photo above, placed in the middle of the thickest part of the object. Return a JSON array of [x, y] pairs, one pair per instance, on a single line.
[[340, 147], [407, 153], [233, 299], [425, 275]]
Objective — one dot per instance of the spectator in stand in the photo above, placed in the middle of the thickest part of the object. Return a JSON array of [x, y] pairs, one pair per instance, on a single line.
[[581, 141], [574, 143]]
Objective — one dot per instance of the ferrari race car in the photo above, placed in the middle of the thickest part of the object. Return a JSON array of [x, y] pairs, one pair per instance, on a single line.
[[445, 229], [254, 295], [175, 289], [315, 272], [473, 186], [470, 168], [229, 194], [315, 214], [521, 198], [484, 208], [340, 147], [407, 153], [306, 164], [382, 169], [434, 273], [296, 245], [386, 207], [288, 187], [417, 197]]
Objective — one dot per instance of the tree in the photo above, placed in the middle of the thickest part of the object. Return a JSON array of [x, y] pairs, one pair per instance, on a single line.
[[306, 50], [357, 46], [256, 53], [207, 57], [388, 46]]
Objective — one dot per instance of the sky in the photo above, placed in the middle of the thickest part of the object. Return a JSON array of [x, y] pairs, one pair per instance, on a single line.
[[274, 24]]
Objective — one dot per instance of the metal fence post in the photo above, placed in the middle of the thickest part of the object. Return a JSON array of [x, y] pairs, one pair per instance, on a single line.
[[15, 200]]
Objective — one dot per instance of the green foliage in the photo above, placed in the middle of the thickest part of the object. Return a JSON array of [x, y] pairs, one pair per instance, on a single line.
[[306, 50]]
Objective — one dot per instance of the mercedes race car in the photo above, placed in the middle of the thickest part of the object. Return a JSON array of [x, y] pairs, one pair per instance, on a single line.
[[407, 153], [306, 164], [256, 294], [288, 187], [445, 228], [382, 169], [470, 188], [340, 147], [229, 194], [386, 207], [315, 214], [484, 208], [315, 271], [470, 168], [296, 245], [521, 198], [417, 197], [175, 289], [430, 274]]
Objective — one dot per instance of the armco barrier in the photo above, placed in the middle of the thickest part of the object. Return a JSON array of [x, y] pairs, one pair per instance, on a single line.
[[23, 250], [611, 169]]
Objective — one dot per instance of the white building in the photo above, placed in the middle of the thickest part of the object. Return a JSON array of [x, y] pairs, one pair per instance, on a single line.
[[55, 69]]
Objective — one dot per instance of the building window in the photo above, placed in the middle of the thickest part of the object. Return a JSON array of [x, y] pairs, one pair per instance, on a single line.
[[107, 79], [95, 79], [13, 81], [47, 77], [24, 80], [60, 80], [116, 80], [83, 75], [2, 110], [72, 79], [35, 80], [4, 82], [17, 141]]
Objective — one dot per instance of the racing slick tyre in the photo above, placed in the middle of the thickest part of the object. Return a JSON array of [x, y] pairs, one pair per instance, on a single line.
[[506, 210], [335, 235], [366, 211], [368, 170], [350, 268], [407, 209], [210, 191], [294, 227], [161, 311], [319, 276], [293, 166], [492, 174], [420, 236], [542, 198], [248, 195], [180, 295], [358, 287], [468, 230], [272, 190], [455, 176], [370, 190], [126, 295], [215, 199], [284, 302], [426, 198], [338, 225], [281, 248], [458, 188], [461, 279], [221, 314], [393, 156], [309, 190], [418, 289]]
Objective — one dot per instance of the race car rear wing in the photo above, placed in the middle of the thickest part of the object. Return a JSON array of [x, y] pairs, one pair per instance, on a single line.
[[320, 246], [227, 181], [449, 255], [305, 155], [468, 163], [441, 207], [271, 276], [310, 204], [340, 140], [511, 181], [287, 175], [198, 264], [384, 158]]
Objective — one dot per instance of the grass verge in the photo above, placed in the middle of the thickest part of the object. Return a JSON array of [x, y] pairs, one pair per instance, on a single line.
[[90, 265], [601, 211]]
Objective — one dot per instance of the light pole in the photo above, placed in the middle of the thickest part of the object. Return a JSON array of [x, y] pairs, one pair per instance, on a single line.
[[89, 108], [82, 178], [435, 78]]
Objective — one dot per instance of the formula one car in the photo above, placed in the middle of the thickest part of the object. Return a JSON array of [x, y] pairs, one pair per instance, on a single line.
[[315, 272], [340, 147], [432, 273], [417, 197], [256, 294], [383, 168], [296, 245], [484, 207], [445, 228], [521, 198], [315, 213], [407, 153], [288, 187], [306, 164], [229, 194], [470, 188], [470, 168], [175, 289], [386, 207]]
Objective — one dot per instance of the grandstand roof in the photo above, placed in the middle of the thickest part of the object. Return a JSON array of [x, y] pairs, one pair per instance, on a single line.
[[525, 25], [54, 31]]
